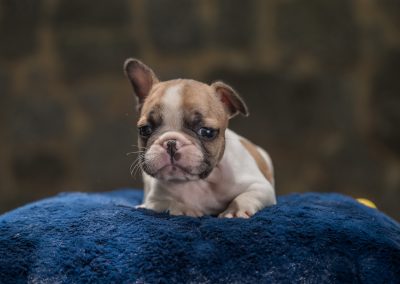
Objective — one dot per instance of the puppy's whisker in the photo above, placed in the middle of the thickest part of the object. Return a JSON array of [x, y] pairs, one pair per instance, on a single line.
[[138, 167], [134, 152], [137, 146], [136, 164]]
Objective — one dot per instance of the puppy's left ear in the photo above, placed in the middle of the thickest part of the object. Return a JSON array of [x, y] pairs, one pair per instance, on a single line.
[[232, 102], [141, 77]]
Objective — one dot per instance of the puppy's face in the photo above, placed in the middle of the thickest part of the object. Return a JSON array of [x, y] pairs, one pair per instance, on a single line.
[[181, 124], [181, 127]]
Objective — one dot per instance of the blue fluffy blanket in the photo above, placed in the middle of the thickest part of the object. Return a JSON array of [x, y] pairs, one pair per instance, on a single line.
[[101, 238]]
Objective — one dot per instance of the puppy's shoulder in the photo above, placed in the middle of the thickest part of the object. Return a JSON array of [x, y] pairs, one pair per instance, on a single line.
[[259, 155]]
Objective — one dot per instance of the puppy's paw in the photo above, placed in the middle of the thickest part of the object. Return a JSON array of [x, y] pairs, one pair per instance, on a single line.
[[238, 210], [140, 206]]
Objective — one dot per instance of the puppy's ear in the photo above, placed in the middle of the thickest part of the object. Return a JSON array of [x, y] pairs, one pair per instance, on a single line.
[[142, 78], [232, 102]]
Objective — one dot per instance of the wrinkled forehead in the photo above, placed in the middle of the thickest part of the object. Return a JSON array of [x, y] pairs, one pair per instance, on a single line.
[[176, 100]]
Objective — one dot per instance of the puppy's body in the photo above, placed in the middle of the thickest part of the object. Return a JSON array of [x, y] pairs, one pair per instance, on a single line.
[[192, 164]]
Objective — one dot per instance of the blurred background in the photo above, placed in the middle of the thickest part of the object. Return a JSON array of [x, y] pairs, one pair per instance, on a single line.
[[321, 79]]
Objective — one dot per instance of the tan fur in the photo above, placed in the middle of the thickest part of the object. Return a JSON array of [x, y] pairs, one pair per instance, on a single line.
[[155, 95], [261, 163], [199, 97]]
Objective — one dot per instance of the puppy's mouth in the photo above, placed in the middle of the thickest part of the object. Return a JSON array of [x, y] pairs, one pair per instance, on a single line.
[[175, 168], [173, 171]]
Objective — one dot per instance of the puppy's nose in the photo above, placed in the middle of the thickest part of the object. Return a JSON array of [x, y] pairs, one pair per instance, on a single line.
[[170, 145]]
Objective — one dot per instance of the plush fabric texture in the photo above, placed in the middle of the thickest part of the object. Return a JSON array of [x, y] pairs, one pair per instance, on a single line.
[[101, 238]]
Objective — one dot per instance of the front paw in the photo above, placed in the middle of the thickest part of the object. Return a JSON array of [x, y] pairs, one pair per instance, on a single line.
[[236, 210]]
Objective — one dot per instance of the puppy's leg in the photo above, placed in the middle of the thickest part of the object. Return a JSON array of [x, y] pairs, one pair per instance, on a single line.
[[249, 202]]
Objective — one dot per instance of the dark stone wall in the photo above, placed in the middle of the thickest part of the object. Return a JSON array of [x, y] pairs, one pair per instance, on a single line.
[[321, 79]]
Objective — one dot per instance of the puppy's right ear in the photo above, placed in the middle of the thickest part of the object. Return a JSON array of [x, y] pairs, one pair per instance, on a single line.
[[142, 78]]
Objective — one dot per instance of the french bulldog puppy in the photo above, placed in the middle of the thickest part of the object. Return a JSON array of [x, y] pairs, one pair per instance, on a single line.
[[192, 163]]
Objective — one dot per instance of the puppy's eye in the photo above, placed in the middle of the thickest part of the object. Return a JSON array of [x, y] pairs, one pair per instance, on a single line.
[[145, 130], [207, 133]]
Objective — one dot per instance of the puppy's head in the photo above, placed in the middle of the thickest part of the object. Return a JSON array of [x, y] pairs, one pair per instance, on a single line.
[[182, 123]]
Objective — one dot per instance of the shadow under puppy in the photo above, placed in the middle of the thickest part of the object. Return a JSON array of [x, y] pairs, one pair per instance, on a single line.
[[192, 163]]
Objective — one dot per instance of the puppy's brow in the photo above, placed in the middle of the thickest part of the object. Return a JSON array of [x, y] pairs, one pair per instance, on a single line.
[[151, 114], [194, 119], [197, 117], [142, 121], [154, 117]]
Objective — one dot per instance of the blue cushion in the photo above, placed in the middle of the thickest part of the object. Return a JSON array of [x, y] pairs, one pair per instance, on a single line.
[[306, 238]]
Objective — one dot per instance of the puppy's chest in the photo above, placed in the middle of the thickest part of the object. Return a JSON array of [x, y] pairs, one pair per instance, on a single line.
[[206, 194], [210, 195]]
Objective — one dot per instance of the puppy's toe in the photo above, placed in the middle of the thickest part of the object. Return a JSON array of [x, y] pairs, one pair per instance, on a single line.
[[175, 212], [250, 212], [140, 206], [237, 214], [226, 215], [242, 214]]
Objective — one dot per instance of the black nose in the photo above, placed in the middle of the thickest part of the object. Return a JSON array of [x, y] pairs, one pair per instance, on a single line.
[[171, 147]]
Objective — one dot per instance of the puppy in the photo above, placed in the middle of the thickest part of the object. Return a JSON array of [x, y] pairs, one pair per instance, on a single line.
[[192, 163]]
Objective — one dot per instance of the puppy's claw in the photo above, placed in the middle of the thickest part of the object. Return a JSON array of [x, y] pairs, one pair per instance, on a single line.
[[235, 214], [226, 215], [242, 214]]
